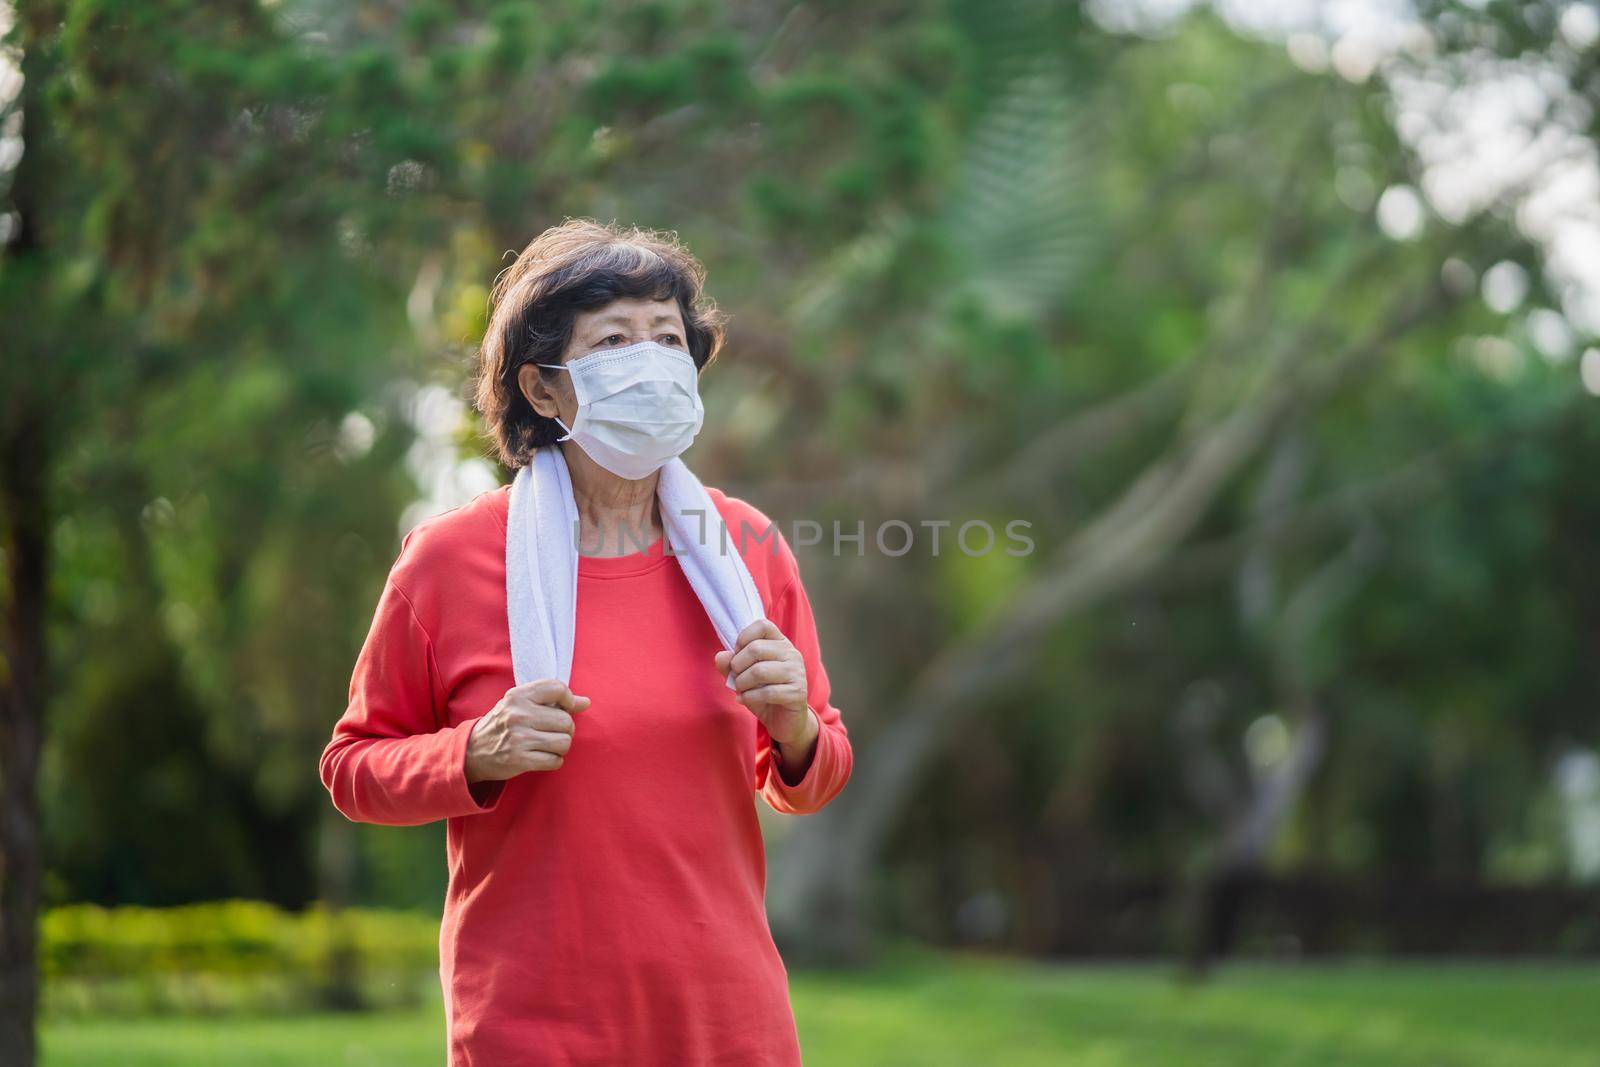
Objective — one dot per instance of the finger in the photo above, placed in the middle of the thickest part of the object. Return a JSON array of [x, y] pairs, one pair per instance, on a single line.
[[553, 692], [756, 631], [546, 692], [767, 672], [548, 741], [536, 691], [522, 717], [542, 761], [764, 649], [723, 662], [767, 694], [543, 718]]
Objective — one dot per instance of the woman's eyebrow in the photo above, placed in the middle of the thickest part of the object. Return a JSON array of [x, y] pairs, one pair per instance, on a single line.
[[622, 320]]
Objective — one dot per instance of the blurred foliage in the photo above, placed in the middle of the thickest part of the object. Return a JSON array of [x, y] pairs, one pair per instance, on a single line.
[[230, 955]]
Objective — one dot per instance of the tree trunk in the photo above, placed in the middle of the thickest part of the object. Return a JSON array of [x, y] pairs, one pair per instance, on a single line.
[[336, 876], [1217, 899], [23, 526], [25, 440]]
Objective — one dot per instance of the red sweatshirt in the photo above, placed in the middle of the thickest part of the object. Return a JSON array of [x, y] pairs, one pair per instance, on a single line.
[[610, 911]]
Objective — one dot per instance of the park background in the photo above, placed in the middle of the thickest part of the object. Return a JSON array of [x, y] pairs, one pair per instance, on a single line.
[[1277, 321]]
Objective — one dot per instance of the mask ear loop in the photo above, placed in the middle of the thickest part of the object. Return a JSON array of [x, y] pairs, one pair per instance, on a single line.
[[557, 418]]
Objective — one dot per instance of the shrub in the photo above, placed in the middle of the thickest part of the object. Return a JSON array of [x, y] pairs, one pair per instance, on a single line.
[[233, 956]]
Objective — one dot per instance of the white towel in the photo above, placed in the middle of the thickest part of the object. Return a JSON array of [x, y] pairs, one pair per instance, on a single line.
[[542, 563]]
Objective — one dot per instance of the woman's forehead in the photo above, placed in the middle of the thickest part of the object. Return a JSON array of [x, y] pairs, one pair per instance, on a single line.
[[629, 311]]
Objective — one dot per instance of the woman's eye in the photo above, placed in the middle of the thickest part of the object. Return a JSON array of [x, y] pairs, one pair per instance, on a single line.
[[613, 340], [671, 339]]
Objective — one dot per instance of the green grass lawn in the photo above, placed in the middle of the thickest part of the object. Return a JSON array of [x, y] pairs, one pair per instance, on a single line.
[[927, 1010]]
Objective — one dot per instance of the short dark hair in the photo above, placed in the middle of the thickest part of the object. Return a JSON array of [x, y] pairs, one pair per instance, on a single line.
[[580, 265]]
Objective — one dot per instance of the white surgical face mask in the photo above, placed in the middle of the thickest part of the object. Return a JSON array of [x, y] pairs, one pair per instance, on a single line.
[[638, 406]]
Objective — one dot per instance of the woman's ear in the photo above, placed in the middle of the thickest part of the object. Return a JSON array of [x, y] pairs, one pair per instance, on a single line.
[[537, 391]]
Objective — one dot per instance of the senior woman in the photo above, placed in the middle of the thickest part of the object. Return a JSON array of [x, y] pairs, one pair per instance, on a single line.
[[606, 867]]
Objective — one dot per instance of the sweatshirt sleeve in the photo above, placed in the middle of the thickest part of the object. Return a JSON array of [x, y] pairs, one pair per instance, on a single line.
[[830, 764], [390, 761]]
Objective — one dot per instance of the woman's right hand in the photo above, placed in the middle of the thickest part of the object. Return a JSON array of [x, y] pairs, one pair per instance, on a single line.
[[530, 729]]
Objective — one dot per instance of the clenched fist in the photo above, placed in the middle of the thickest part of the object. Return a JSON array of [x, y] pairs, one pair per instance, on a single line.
[[770, 678], [530, 729]]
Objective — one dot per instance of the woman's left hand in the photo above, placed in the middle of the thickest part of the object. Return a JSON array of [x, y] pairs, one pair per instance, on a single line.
[[770, 678]]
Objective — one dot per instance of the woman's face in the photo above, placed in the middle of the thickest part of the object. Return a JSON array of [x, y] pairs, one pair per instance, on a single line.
[[622, 322]]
